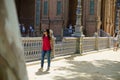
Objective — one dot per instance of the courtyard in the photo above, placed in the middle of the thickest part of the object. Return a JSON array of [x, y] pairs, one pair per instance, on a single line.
[[98, 65]]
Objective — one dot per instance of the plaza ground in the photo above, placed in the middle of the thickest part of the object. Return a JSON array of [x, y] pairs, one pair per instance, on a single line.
[[98, 65]]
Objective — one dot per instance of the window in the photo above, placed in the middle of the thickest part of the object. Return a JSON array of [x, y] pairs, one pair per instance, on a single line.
[[37, 12], [91, 7], [45, 7], [59, 7]]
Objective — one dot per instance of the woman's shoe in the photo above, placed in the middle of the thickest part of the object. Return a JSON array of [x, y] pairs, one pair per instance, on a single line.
[[48, 69], [41, 69]]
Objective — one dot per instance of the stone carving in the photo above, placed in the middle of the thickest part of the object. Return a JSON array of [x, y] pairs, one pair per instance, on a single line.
[[12, 64]]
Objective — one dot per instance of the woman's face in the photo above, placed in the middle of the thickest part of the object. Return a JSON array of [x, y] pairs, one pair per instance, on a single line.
[[45, 33]]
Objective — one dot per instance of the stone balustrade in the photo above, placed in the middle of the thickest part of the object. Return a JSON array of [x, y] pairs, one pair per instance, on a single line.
[[96, 43], [32, 46], [103, 43], [89, 44], [67, 46]]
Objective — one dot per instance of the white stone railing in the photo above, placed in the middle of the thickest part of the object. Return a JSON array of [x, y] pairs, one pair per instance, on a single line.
[[110, 42], [96, 43], [89, 44], [32, 48], [69, 45], [103, 43]]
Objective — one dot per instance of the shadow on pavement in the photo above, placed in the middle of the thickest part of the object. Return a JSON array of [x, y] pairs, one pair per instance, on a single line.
[[90, 70], [41, 72]]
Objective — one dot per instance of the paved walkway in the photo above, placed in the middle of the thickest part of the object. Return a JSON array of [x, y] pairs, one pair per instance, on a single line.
[[101, 65]]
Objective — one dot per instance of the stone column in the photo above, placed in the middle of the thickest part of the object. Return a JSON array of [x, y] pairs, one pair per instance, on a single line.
[[98, 17], [78, 26], [98, 25], [117, 21], [12, 64]]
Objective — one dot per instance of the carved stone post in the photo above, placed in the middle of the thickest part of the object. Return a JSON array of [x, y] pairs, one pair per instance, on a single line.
[[78, 26], [98, 16], [98, 25], [12, 63]]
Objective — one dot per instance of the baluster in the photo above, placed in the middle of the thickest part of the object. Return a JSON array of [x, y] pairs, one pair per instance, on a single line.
[[32, 47], [27, 55]]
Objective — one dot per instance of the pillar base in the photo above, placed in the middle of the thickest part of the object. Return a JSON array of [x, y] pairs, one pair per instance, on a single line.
[[78, 31], [76, 35]]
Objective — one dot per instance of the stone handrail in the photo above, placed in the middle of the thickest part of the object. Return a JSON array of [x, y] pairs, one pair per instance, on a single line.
[[32, 48], [69, 45], [89, 44]]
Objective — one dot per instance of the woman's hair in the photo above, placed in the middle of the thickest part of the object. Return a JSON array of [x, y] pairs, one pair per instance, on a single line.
[[48, 33], [51, 33], [115, 34]]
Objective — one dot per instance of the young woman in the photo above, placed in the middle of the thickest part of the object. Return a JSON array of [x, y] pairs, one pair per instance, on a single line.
[[115, 40], [46, 49]]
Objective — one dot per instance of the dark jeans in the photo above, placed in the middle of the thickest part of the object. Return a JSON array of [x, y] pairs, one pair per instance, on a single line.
[[48, 58]]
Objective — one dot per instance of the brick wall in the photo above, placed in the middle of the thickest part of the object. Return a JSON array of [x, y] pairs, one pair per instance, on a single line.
[[89, 21]]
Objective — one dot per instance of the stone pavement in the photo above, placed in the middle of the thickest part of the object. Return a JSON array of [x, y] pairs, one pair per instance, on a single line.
[[101, 65]]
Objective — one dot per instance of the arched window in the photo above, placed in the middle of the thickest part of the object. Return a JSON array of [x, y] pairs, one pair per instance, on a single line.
[[37, 12], [59, 7], [45, 7], [91, 7]]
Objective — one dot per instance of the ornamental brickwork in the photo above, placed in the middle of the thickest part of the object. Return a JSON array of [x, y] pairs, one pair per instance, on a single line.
[[97, 15]]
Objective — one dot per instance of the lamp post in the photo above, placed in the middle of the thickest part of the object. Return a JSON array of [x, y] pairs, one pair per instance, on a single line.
[[117, 21], [78, 26]]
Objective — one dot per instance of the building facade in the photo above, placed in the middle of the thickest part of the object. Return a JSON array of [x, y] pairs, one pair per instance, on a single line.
[[43, 14], [108, 16], [97, 15]]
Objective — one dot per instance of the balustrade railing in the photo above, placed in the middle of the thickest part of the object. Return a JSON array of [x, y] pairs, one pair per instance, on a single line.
[[89, 44], [111, 42], [103, 43], [32, 46], [69, 45]]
